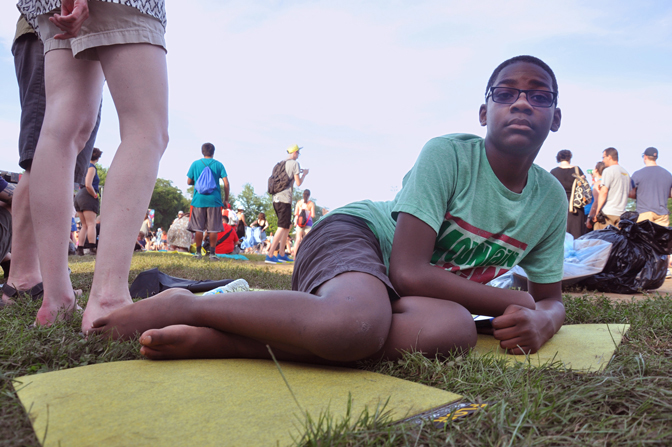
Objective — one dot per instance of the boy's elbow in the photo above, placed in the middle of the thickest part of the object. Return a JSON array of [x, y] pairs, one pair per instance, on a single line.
[[405, 281]]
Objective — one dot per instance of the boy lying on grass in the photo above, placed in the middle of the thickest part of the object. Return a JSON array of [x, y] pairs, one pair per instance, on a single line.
[[373, 279]]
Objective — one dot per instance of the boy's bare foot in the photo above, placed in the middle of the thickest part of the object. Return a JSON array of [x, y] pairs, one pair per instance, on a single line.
[[185, 342], [165, 309]]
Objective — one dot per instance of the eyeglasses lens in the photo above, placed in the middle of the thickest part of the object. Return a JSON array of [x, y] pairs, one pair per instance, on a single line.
[[536, 98]]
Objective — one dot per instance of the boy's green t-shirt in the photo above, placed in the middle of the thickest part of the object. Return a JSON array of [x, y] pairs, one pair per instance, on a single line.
[[483, 229]]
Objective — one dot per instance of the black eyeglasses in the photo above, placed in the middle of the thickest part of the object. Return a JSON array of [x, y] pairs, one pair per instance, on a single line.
[[509, 95]]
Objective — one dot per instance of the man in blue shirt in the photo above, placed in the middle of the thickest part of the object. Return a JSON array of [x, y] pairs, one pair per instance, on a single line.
[[651, 188], [206, 213]]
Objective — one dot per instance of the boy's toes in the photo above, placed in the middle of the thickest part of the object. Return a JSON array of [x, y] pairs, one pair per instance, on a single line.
[[152, 354], [161, 337], [99, 323]]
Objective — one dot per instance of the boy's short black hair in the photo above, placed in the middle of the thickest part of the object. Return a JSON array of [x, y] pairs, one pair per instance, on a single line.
[[564, 155], [225, 219], [208, 149], [528, 59]]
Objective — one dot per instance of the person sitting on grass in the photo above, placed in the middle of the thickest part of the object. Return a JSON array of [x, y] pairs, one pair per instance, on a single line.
[[140, 243], [227, 239], [374, 279]]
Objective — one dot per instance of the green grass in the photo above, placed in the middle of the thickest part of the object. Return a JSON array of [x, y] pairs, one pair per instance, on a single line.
[[630, 403]]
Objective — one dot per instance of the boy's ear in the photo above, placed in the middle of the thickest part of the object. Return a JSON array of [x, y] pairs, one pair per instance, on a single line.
[[557, 117], [483, 115]]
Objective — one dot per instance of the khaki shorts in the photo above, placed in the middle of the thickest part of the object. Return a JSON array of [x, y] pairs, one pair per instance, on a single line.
[[610, 220], [108, 24], [663, 220]]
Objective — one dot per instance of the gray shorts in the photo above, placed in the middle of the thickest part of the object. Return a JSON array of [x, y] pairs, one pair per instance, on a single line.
[[86, 202], [28, 54], [338, 245], [204, 220]]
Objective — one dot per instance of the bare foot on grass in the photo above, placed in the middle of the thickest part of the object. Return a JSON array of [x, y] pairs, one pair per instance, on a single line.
[[164, 309], [185, 342], [56, 310], [97, 309]]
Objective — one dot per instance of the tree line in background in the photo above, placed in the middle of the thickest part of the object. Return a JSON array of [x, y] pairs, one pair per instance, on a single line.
[[167, 200]]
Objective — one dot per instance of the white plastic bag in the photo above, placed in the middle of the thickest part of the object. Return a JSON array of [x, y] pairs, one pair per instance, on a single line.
[[583, 258]]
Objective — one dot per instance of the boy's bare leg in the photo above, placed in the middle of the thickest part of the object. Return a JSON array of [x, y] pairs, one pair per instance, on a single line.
[[431, 326], [137, 77], [25, 271], [73, 90], [189, 342], [420, 324], [348, 319]]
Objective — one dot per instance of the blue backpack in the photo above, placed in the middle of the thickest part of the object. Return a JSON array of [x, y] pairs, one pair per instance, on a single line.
[[206, 182]]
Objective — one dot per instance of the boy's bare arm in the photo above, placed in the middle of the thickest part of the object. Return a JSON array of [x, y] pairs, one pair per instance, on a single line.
[[412, 274], [524, 331]]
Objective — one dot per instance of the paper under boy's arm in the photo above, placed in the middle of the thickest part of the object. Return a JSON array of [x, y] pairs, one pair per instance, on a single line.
[[412, 274]]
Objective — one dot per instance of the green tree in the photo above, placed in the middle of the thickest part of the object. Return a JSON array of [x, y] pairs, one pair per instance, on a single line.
[[102, 174], [167, 200], [252, 203]]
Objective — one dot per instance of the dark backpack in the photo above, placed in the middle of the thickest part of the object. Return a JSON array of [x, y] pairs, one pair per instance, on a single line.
[[302, 219], [206, 182], [279, 180]]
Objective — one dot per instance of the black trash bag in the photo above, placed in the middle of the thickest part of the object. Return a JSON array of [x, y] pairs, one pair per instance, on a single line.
[[638, 258], [152, 281]]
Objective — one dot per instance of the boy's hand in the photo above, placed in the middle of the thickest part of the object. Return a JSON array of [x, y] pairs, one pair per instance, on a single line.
[[521, 330]]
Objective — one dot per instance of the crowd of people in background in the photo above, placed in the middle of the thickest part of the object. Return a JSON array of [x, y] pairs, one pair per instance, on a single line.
[[612, 186], [610, 183]]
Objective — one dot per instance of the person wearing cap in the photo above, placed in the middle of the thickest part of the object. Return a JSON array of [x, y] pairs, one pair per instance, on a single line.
[[282, 204], [614, 192], [651, 187]]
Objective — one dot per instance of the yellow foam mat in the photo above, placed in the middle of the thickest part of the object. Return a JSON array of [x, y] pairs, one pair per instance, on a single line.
[[205, 402], [581, 347]]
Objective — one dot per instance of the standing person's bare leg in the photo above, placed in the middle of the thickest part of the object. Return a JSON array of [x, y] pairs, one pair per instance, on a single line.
[[73, 90], [279, 241], [25, 270], [198, 240], [138, 81], [90, 218], [84, 231]]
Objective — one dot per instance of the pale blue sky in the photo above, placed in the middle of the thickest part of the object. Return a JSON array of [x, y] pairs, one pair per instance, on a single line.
[[363, 85]]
